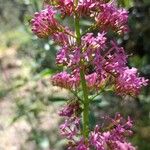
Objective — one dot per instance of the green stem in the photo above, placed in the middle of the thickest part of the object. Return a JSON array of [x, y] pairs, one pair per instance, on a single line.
[[86, 105], [83, 81]]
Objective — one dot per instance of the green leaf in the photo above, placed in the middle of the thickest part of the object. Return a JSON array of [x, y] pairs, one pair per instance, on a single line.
[[125, 3], [44, 73], [57, 99], [85, 23], [103, 104]]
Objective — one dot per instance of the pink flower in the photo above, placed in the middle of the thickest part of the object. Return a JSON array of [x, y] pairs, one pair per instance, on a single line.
[[89, 7], [112, 17], [124, 146], [81, 145], [91, 80], [62, 38], [44, 23], [65, 6], [62, 56], [69, 57], [94, 81], [128, 82], [112, 136], [70, 109], [70, 128], [116, 59], [85, 7], [94, 42], [115, 136], [65, 80], [96, 139]]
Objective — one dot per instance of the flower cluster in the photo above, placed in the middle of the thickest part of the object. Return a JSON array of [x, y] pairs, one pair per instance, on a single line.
[[44, 24], [70, 109], [112, 17], [113, 136], [71, 127], [128, 82], [106, 60], [106, 15], [92, 62], [64, 79]]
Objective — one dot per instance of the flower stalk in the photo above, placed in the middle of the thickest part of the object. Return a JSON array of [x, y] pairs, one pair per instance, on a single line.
[[93, 63], [83, 81]]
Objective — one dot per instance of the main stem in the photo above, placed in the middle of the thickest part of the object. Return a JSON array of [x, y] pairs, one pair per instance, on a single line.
[[83, 81]]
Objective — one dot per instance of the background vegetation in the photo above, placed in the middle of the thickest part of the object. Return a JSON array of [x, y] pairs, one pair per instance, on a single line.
[[28, 101]]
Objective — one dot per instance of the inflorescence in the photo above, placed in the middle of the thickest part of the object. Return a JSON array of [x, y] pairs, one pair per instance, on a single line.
[[101, 59]]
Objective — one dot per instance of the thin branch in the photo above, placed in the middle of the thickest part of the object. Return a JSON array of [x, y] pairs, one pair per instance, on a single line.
[[76, 95], [91, 28]]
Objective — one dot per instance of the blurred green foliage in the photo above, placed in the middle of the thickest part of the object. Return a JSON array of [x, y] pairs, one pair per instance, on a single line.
[[15, 30]]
